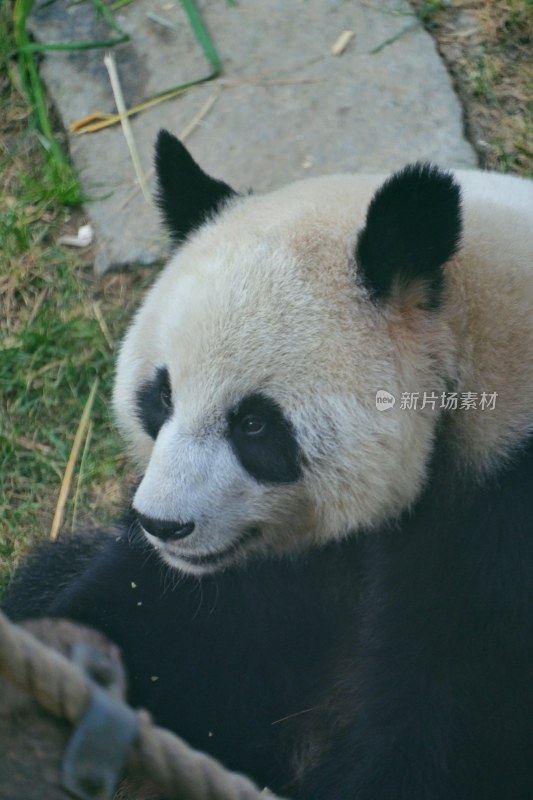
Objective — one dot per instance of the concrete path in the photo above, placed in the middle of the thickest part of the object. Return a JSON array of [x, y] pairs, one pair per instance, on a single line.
[[285, 107]]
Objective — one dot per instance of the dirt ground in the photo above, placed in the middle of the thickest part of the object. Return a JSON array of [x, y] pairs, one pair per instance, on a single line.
[[488, 48]]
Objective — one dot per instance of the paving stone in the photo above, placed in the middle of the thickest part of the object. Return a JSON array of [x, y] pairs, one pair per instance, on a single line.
[[285, 108]]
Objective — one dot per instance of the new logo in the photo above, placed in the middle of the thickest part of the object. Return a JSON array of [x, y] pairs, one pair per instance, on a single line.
[[384, 400]]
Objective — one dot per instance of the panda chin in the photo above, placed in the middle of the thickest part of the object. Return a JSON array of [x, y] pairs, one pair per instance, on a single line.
[[199, 564]]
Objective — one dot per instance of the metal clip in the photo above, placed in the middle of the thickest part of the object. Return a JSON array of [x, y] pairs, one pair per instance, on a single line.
[[96, 754]]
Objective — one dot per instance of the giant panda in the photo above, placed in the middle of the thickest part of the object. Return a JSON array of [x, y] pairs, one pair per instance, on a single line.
[[326, 580]]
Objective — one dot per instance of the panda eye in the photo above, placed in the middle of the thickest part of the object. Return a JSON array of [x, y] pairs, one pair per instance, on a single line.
[[253, 425], [154, 402], [166, 397]]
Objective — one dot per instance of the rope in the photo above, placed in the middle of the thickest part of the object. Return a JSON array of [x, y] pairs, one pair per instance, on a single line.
[[57, 685]]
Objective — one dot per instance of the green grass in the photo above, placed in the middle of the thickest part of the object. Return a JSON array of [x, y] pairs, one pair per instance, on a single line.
[[426, 9], [53, 345], [52, 348]]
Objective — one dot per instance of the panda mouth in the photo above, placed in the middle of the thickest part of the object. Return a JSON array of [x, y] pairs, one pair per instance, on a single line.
[[221, 555]]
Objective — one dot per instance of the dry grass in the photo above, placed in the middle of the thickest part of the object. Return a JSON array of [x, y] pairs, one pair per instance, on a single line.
[[59, 326], [488, 47]]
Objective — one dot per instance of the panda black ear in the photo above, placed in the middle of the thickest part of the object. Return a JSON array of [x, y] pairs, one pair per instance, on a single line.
[[186, 196], [413, 226]]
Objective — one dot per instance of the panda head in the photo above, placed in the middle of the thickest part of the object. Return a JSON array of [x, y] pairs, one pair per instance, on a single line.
[[246, 385]]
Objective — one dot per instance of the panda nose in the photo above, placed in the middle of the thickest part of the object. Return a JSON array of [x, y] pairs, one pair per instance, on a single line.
[[165, 529]]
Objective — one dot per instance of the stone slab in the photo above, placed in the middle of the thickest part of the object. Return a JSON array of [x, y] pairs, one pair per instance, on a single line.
[[285, 108]]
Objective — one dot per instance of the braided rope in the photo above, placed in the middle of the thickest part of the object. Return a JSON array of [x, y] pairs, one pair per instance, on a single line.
[[59, 687]]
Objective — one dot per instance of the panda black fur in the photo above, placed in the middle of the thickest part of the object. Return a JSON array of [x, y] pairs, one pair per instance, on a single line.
[[333, 599]]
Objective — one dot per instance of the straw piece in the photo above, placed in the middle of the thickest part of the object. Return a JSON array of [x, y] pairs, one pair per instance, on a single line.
[[195, 121], [342, 43], [80, 475], [71, 463], [103, 325], [109, 61]]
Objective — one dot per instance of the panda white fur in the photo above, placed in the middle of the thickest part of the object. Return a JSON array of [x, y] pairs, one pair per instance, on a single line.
[[331, 597]]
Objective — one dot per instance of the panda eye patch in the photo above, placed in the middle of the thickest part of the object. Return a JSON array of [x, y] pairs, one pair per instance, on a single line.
[[264, 440], [154, 402]]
